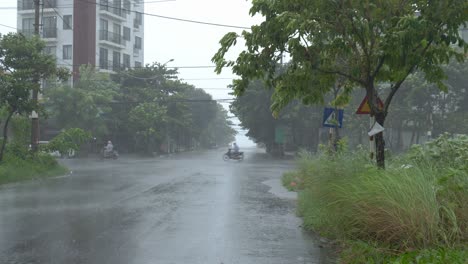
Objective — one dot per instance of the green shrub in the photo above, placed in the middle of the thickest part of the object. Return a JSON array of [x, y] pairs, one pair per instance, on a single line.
[[444, 152], [417, 203], [357, 252], [21, 127], [432, 256], [18, 150], [70, 139], [292, 181], [14, 169], [45, 160]]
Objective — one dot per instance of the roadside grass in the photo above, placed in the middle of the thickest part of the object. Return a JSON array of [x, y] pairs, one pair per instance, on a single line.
[[14, 169], [362, 252], [415, 211]]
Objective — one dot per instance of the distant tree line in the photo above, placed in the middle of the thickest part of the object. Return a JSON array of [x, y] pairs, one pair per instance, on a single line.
[[145, 110], [420, 112]]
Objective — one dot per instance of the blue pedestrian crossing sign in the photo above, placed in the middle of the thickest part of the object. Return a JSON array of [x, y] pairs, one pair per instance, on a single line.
[[330, 118]]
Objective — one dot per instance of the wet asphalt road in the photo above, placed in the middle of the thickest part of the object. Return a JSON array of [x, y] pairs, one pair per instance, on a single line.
[[187, 208]]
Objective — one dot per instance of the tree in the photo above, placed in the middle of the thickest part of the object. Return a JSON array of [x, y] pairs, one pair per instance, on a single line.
[[21, 58], [154, 111], [253, 110], [352, 44], [86, 104], [148, 120]]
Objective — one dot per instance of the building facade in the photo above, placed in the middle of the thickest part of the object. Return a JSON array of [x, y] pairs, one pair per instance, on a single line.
[[104, 33]]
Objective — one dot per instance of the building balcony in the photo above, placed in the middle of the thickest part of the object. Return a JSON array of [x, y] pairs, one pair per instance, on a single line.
[[112, 11], [49, 34], [26, 32], [112, 39], [112, 66], [136, 51], [27, 6]]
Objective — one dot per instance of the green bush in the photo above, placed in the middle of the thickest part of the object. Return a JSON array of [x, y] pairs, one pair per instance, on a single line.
[[410, 205], [18, 149], [70, 139], [292, 181], [357, 252], [45, 160], [20, 164], [446, 151]]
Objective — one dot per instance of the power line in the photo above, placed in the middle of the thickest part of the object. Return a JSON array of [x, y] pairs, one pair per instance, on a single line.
[[160, 16], [71, 5], [142, 67], [166, 17], [8, 26]]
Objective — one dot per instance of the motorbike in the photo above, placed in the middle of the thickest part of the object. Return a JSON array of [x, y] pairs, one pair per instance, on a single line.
[[230, 155], [109, 155]]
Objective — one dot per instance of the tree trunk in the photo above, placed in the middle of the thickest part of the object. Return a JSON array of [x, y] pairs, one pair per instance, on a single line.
[[380, 142], [5, 135]]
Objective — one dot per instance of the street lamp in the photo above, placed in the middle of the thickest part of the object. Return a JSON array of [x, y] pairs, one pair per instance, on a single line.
[[167, 125], [171, 60]]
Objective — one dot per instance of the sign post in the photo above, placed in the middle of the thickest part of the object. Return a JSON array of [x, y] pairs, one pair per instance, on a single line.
[[330, 118], [333, 118], [374, 127]]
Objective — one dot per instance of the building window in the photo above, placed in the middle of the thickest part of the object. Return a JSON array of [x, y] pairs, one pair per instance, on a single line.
[[67, 22], [126, 33], [51, 50], [127, 6], [50, 27], [50, 4], [126, 61], [139, 18], [116, 60], [103, 58], [137, 64], [104, 5], [117, 8], [104, 24], [104, 32], [138, 21], [137, 43], [67, 52], [28, 26]]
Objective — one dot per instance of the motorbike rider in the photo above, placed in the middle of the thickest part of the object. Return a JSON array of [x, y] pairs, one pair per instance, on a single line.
[[109, 148], [235, 148]]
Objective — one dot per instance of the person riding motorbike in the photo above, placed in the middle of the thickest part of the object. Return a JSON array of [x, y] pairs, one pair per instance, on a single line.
[[233, 153], [109, 148], [235, 148]]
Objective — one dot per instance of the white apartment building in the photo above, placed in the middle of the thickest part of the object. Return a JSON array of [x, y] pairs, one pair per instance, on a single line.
[[108, 34]]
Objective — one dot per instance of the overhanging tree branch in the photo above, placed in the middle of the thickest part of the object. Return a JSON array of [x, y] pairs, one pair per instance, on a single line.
[[398, 84]]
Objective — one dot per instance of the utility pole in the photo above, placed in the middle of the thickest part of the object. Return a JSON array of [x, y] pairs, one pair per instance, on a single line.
[[35, 115]]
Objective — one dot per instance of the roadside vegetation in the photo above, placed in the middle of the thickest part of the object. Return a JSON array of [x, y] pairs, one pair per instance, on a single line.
[[415, 211], [20, 163], [144, 110], [17, 168]]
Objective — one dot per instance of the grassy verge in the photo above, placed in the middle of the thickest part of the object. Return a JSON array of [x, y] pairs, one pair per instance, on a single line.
[[14, 169], [415, 211]]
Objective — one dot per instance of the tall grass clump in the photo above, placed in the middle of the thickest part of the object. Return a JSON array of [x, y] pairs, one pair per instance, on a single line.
[[418, 202], [16, 168]]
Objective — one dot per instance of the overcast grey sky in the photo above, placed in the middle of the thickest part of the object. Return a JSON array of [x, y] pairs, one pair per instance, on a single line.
[[189, 44]]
